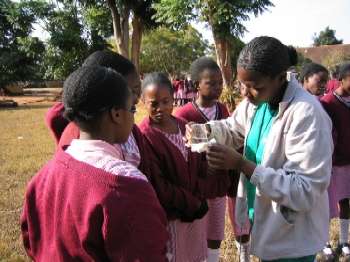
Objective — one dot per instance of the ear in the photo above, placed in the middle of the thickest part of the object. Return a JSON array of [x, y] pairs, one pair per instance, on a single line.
[[116, 115]]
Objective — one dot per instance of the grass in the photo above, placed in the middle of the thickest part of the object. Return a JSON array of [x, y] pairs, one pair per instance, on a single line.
[[25, 146]]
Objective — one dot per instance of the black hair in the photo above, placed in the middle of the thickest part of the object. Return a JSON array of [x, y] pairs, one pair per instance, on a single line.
[[267, 55], [159, 79], [310, 69], [91, 90], [112, 60], [201, 64], [344, 71]]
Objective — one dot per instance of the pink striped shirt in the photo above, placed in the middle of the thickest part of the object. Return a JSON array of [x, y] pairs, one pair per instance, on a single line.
[[104, 156], [209, 112], [131, 151]]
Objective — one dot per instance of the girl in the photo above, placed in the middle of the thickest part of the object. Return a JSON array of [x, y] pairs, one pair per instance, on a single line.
[[133, 149], [337, 105], [82, 205], [178, 175], [284, 178], [207, 79], [314, 78]]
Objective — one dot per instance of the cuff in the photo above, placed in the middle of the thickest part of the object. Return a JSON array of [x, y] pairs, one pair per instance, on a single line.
[[257, 175]]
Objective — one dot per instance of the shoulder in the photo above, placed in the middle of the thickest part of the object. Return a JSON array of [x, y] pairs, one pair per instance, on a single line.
[[184, 111], [307, 110]]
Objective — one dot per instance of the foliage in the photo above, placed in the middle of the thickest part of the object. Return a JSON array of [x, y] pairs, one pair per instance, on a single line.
[[224, 16], [302, 60], [171, 51], [334, 59], [326, 37], [20, 54]]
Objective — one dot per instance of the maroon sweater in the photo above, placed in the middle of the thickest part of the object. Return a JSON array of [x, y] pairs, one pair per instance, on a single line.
[[55, 121], [76, 212], [340, 115], [181, 186], [64, 132], [191, 113]]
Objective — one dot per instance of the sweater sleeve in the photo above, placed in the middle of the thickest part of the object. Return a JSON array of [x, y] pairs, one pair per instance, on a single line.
[[55, 121], [217, 183], [171, 196], [306, 173], [143, 235]]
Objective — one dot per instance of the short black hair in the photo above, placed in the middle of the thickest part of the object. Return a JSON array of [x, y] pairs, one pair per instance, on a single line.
[[310, 69], [344, 71], [201, 64], [157, 78], [112, 60], [267, 55], [91, 90]]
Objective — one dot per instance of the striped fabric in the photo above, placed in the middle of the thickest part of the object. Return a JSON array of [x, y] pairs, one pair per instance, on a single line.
[[177, 140], [209, 112], [131, 151], [187, 241], [216, 218], [104, 156]]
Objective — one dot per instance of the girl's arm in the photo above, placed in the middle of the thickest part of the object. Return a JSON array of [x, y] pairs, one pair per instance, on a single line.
[[176, 200]]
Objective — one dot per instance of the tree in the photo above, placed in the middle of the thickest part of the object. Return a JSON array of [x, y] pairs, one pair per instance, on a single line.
[[171, 51], [141, 13], [20, 54], [224, 17], [326, 37]]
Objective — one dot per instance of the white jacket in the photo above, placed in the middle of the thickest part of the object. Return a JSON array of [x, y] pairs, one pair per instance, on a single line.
[[291, 203]]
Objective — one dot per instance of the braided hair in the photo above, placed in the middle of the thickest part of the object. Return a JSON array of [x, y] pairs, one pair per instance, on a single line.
[[201, 64], [267, 55], [159, 79], [310, 69], [112, 60], [91, 90]]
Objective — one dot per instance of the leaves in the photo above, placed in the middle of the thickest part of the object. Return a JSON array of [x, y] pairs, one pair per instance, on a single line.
[[326, 37], [171, 51]]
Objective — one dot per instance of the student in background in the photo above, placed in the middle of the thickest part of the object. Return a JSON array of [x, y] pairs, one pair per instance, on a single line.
[[333, 83], [179, 177], [314, 78], [207, 79], [337, 105], [88, 203]]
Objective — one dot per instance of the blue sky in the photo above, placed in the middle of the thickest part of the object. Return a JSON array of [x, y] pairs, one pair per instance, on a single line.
[[294, 22]]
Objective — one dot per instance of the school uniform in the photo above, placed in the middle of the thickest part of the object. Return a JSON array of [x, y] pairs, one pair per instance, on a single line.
[[88, 205], [55, 121], [216, 215], [180, 180], [339, 111]]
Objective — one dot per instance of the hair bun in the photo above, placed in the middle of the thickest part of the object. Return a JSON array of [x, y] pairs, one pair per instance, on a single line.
[[293, 55]]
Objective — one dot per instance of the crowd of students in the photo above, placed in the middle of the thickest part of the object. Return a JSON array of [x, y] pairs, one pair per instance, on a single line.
[[117, 191]]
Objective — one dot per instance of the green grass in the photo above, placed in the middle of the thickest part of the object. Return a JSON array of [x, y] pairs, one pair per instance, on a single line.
[[25, 145]]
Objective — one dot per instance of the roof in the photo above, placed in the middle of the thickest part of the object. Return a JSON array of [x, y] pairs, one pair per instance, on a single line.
[[317, 54]]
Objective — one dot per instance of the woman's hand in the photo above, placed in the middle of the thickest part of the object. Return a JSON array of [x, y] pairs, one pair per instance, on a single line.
[[224, 157], [227, 158]]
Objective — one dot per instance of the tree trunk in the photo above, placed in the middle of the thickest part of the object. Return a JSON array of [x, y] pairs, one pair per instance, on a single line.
[[136, 39], [121, 37], [222, 48]]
